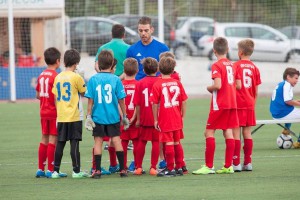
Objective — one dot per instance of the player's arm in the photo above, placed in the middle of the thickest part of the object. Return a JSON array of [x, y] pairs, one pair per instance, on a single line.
[[37, 95], [155, 115], [293, 103], [138, 117], [183, 109], [215, 86], [238, 84], [133, 116], [89, 106]]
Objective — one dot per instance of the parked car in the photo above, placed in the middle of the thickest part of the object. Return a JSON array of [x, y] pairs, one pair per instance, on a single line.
[[292, 32], [87, 34], [270, 44], [131, 21], [188, 31]]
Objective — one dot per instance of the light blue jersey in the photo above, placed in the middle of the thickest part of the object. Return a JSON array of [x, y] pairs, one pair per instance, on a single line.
[[105, 89], [282, 93], [139, 51]]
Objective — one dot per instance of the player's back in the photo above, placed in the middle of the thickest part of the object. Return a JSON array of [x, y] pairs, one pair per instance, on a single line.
[[142, 98], [130, 88], [225, 97], [47, 100], [249, 75]]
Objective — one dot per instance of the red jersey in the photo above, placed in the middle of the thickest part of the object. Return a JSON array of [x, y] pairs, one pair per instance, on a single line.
[[174, 75], [169, 95], [130, 89], [142, 99], [225, 97], [249, 75], [47, 100]]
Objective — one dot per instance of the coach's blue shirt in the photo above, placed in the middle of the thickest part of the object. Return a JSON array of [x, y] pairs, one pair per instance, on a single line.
[[282, 93], [105, 89], [139, 51]]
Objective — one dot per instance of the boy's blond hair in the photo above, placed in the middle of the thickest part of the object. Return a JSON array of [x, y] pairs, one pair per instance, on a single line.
[[246, 46], [131, 66]]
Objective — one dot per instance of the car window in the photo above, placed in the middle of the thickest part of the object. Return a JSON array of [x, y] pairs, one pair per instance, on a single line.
[[290, 32], [200, 26], [261, 33], [104, 27], [243, 32], [84, 26], [179, 23]]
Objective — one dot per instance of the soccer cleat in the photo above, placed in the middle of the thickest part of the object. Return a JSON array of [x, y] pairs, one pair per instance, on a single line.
[[79, 175], [153, 172], [96, 174], [104, 171], [247, 167], [40, 174], [204, 170], [114, 169], [55, 175], [130, 146], [179, 172], [123, 173], [225, 170], [162, 164], [48, 174], [138, 171], [237, 168], [167, 173], [296, 145], [185, 170], [131, 167]]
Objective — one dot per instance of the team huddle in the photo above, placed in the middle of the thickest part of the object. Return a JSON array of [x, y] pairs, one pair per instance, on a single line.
[[136, 95]]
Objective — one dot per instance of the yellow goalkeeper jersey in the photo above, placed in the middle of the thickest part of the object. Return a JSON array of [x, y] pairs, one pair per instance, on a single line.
[[67, 88]]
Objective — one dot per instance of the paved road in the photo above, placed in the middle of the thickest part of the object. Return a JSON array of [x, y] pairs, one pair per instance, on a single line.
[[196, 77]]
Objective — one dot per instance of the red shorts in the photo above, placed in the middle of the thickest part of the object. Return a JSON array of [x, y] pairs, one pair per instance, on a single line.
[[132, 133], [49, 126], [105, 138], [246, 117], [149, 133], [181, 134], [222, 119], [172, 136]]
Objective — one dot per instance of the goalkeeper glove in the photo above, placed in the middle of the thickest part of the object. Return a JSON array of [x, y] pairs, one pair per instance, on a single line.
[[89, 124], [125, 122]]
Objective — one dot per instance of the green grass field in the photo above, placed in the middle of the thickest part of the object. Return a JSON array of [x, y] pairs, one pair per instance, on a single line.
[[276, 172]]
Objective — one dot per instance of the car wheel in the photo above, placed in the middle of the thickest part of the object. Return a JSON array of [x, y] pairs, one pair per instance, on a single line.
[[293, 56], [181, 52]]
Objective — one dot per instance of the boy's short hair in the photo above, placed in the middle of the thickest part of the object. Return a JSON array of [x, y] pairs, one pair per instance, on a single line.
[[131, 66], [145, 20], [51, 55], [150, 65], [106, 60], [167, 65], [290, 71], [220, 45], [118, 31], [71, 57], [246, 46], [166, 54]]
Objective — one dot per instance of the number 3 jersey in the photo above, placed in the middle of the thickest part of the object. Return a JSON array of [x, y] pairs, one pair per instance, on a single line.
[[169, 95], [249, 75], [67, 88], [225, 97], [47, 100]]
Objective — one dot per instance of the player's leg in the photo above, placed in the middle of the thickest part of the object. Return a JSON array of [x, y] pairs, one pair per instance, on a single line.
[[140, 157], [237, 149], [97, 154], [51, 147], [162, 162], [120, 154], [248, 148], [42, 150], [113, 166], [178, 154], [124, 145]]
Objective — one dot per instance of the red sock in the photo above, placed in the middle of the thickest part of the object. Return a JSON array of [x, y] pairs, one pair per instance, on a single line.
[[93, 160], [50, 156], [237, 152], [229, 152], [210, 146], [112, 156], [178, 156], [135, 143], [42, 156], [248, 147], [183, 162], [124, 145], [154, 154], [170, 155], [140, 153]]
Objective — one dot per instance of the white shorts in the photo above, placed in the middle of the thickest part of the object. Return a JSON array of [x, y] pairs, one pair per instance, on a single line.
[[295, 114]]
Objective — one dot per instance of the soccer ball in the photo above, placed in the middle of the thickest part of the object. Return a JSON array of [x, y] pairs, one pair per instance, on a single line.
[[284, 141]]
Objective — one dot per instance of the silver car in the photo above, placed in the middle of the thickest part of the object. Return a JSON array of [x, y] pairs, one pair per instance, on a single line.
[[270, 44]]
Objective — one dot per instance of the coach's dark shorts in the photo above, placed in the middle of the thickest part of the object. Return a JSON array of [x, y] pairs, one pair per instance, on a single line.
[[109, 130], [69, 131]]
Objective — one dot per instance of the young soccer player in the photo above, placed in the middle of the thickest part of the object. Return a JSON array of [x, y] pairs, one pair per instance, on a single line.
[[47, 113], [129, 83], [248, 79], [223, 109], [282, 104], [105, 93], [67, 88], [175, 74], [145, 117], [168, 99]]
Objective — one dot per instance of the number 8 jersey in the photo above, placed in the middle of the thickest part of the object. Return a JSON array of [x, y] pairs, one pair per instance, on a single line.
[[169, 95]]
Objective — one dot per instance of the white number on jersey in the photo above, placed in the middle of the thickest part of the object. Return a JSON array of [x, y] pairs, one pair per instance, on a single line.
[[173, 89], [247, 81], [44, 83], [146, 95], [107, 96], [131, 94], [230, 78]]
